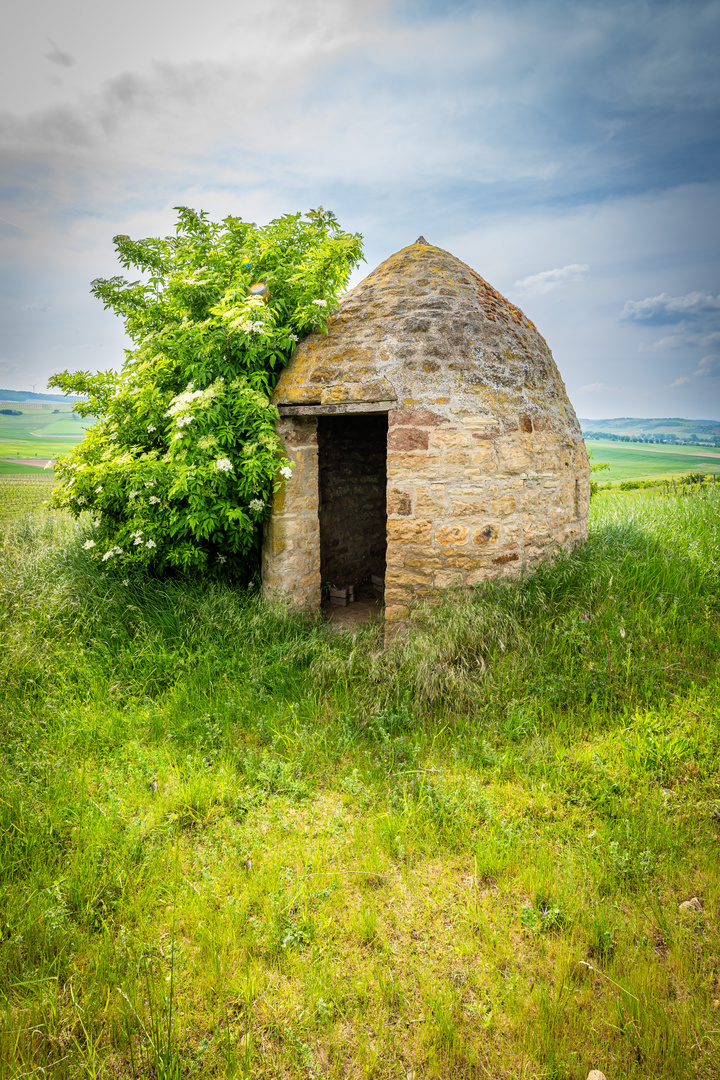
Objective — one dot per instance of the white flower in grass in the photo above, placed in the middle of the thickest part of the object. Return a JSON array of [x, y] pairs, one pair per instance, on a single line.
[[256, 505], [81, 500], [126, 581], [183, 421], [137, 540], [293, 337], [108, 555], [176, 436], [149, 483], [286, 471], [224, 464], [98, 489], [151, 427], [117, 551], [133, 494], [89, 544], [150, 544], [137, 533], [96, 522], [320, 303], [153, 500]]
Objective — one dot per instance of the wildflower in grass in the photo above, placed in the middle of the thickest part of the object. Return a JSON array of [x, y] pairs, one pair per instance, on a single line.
[[153, 500], [108, 555], [96, 521], [223, 464], [137, 540], [126, 582], [149, 483], [151, 428], [98, 489], [293, 337], [183, 421], [286, 471], [320, 303], [256, 505], [133, 494], [81, 500], [89, 544], [150, 544]]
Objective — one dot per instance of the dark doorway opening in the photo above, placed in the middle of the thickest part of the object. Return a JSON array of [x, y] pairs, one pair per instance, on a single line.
[[353, 490]]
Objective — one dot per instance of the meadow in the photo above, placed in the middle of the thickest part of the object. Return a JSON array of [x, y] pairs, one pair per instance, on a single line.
[[41, 434], [238, 843], [636, 461]]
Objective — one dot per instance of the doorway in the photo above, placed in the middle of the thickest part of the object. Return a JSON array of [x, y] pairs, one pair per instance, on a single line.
[[352, 463]]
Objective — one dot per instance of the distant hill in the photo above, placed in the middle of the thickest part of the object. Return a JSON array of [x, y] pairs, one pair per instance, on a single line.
[[28, 395], [669, 425]]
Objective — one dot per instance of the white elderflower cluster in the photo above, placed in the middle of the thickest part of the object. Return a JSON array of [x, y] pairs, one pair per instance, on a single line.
[[256, 505], [81, 500], [293, 337], [133, 494], [224, 464], [89, 544], [320, 303], [137, 537], [151, 428], [150, 544], [221, 558], [98, 489], [149, 483], [286, 471], [185, 419], [153, 500], [111, 552]]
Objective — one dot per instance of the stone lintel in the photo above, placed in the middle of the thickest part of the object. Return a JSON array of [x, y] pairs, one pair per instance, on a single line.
[[336, 410]]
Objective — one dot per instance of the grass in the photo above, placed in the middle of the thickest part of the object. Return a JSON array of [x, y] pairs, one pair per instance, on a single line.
[[237, 844], [637, 462], [22, 494]]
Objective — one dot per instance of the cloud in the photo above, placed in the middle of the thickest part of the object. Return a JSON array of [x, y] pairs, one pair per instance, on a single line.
[[57, 56], [709, 365], [679, 382], [548, 280], [597, 388], [668, 309]]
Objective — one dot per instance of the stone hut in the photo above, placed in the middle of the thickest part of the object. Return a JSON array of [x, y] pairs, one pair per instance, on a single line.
[[433, 440]]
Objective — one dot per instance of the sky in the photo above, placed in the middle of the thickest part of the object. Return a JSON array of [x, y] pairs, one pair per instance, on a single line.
[[567, 150]]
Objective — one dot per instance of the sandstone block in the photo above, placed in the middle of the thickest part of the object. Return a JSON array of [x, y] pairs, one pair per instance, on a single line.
[[504, 506], [408, 438], [396, 612], [451, 534], [399, 502], [489, 534], [408, 530], [424, 562], [513, 458], [417, 418], [458, 457], [426, 505], [447, 438]]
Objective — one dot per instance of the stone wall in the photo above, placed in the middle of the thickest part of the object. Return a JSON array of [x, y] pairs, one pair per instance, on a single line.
[[474, 499], [291, 542], [352, 453]]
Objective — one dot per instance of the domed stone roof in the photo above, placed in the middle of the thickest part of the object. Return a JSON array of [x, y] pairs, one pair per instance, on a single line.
[[425, 329]]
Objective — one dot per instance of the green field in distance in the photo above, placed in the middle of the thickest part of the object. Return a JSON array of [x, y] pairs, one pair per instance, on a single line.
[[634, 461], [36, 436]]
